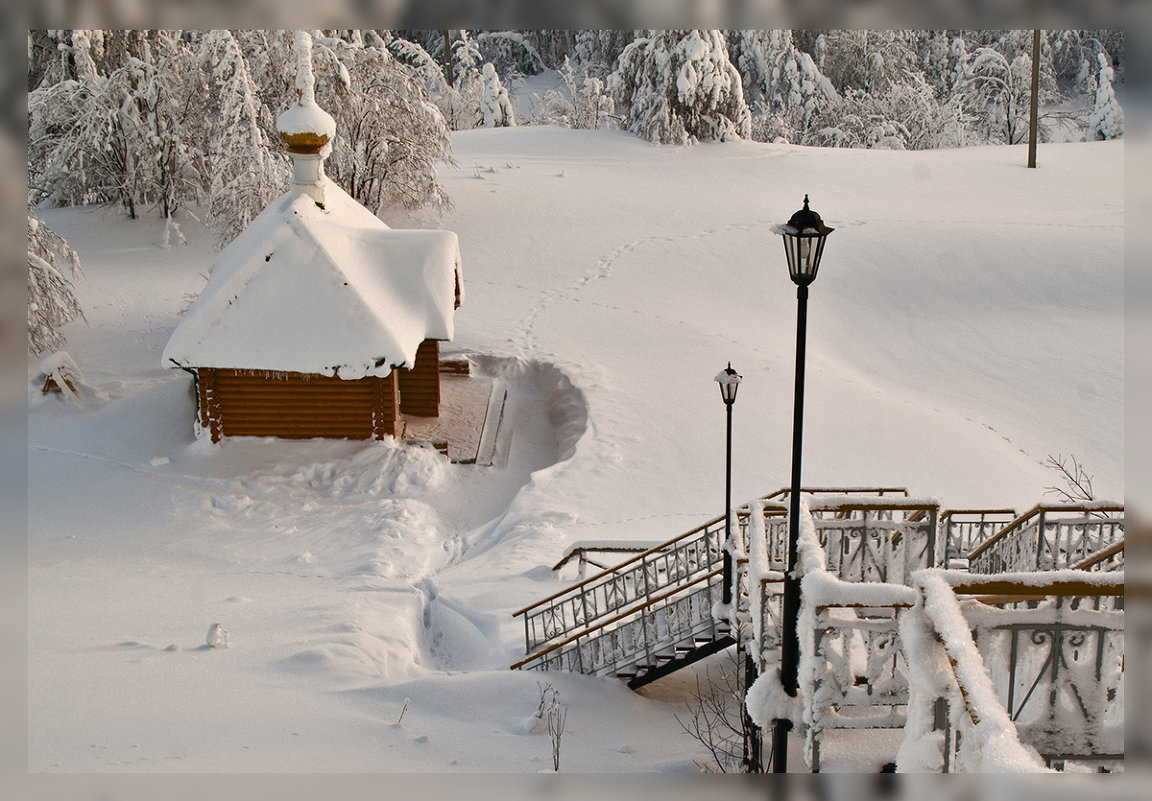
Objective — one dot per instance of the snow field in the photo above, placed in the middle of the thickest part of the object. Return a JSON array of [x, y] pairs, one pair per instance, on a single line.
[[967, 321]]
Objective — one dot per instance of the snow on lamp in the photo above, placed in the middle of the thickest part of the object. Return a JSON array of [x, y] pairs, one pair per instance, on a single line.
[[729, 381], [804, 235]]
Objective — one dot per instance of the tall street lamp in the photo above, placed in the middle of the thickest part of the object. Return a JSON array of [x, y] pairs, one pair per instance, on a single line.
[[729, 381], [804, 236]]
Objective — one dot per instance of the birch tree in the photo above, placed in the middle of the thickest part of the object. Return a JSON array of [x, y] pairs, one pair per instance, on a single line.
[[52, 266]]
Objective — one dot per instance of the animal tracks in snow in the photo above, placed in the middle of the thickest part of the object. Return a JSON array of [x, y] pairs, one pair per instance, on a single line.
[[526, 337]]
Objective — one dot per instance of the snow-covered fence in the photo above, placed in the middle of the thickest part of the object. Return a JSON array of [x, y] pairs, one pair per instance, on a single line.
[[1025, 671], [640, 640], [962, 530], [1107, 560], [632, 582], [1050, 537], [860, 538], [875, 540], [852, 674]]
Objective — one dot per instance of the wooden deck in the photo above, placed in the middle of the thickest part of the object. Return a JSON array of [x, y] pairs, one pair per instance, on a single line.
[[471, 411]]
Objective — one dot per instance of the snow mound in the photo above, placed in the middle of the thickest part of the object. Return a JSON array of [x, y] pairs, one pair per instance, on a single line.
[[383, 469]]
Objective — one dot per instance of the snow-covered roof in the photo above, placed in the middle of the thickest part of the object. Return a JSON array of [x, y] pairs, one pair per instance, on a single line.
[[318, 289]]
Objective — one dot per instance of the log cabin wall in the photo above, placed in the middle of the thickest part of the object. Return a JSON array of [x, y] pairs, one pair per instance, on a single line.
[[420, 386], [261, 403]]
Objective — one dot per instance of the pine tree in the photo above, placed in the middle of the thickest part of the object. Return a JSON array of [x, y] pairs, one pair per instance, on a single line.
[[680, 86], [1107, 118], [510, 53], [495, 107], [52, 266], [782, 83], [585, 103]]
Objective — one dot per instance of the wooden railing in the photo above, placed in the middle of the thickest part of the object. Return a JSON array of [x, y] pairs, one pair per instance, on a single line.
[[1050, 537], [585, 614], [632, 582], [962, 530], [876, 541], [639, 638], [1035, 662], [1106, 560]]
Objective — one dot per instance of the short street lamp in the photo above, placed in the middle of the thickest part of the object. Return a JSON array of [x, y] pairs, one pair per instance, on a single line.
[[729, 381], [804, 236]]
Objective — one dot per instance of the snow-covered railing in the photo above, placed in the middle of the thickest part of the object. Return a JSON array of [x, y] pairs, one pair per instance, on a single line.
[[601, 555], [1026, 670], [1050, 537], [632, 582], [859, 538], [875, 540], [640, 639], [852, 672], [962, 530], [1107, 560]]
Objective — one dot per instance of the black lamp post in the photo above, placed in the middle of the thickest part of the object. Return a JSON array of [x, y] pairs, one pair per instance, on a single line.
[[804, 236], [729, 381]]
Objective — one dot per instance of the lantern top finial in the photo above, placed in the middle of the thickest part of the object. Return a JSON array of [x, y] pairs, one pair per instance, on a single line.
[[808, 222]]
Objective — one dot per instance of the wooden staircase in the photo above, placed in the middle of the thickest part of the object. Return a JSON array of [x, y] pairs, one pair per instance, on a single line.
[[659, 610]]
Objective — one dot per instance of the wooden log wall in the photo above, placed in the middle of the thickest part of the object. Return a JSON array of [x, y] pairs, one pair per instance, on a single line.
[[420, 386], [262, 403]]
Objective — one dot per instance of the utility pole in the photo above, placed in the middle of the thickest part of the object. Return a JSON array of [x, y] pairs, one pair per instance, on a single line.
[[1034, 103], [448, 58]]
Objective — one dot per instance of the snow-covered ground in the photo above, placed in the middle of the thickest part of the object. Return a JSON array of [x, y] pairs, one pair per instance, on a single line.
[[966, 323]]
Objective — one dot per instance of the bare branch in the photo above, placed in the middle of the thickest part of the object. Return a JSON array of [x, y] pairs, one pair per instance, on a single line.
[[1077, 483]]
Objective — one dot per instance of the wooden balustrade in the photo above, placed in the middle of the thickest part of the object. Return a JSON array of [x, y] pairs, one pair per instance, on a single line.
[[1050, 537]]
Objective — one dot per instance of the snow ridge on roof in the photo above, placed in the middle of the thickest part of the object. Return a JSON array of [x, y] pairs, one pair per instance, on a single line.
[[329, 290]]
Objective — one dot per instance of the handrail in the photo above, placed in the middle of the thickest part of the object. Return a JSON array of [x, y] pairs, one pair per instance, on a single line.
[[1100, 556], [1109, 585], [631, 612], [616, 568], [579, 551], [880, 491], [949, 512], [649, 552], [1086, 508], [992, 694]]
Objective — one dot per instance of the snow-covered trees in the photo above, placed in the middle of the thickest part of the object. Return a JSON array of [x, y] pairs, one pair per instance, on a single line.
[[680, 86], [165, 118], [52, 265], [127, 135], [245, 172], [585, 102], [782, 84], [162, 119], [389, 137], [509, 53], [495, 107], [1107, 119]]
